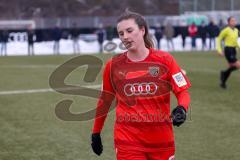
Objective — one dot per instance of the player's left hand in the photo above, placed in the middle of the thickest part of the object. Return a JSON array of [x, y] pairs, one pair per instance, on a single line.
[[96, 144], [178, 116]]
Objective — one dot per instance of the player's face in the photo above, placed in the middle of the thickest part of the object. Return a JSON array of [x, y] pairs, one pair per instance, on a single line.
[[130, 34], [232, 22]]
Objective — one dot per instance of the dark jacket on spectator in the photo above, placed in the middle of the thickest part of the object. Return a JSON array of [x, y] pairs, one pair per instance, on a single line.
[[213, 30], [57, 34]]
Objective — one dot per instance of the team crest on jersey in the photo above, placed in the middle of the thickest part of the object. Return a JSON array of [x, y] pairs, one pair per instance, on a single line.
[[154, 71]]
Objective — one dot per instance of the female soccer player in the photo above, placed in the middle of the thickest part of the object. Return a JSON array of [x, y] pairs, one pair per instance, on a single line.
[[230, 36], [141, 80]]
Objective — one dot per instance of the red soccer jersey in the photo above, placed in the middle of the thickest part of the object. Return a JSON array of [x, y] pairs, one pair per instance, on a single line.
[[192, 30], [142, 90]]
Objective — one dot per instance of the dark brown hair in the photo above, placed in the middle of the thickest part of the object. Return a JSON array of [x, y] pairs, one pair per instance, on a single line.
[[141, 22], [229, 19]]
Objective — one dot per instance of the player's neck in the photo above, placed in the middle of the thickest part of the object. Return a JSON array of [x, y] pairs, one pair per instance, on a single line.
[[232, 27], [138, 55]]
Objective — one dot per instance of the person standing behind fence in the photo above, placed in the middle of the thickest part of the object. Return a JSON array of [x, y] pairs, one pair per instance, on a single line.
[[75, 38], [221, 24], [203, 34], [110, 32], [158, 35], [57, 34], [101, 36], [184, 33], [169, 33], [31, 39], [213, 32], [193, 30], [4, 40]]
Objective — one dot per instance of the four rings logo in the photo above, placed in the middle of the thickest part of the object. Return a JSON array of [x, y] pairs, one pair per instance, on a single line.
[[136, 89]]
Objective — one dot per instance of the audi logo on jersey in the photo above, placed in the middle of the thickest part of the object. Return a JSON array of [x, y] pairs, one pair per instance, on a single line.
[[136, 89]]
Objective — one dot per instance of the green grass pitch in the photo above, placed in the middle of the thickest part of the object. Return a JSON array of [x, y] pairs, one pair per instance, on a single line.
[[30, 130]]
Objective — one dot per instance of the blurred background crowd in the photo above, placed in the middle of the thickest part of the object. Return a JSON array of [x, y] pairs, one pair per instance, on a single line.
[[172, 22]]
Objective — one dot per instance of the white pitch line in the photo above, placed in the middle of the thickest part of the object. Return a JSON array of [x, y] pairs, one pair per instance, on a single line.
[[44, 90]]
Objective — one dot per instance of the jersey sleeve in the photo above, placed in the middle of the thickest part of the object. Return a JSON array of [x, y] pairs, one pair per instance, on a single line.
[[221, 36], [238, 43], [105, 100], [180, 84], [183, 99], [107, 82], [178, 79]]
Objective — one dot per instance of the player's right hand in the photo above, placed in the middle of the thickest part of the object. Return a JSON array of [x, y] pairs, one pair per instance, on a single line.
[[178, 116], [97, 146]]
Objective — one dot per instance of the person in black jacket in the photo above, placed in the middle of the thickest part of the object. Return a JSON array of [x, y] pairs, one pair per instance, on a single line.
[[101, 36], [31, 39], [203, 34], [158, 35], [75, 38], [57, 34], [4, 40], [213, 32], [183, 30]]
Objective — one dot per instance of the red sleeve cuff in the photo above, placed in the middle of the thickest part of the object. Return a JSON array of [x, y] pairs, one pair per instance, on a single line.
[[183, 98]]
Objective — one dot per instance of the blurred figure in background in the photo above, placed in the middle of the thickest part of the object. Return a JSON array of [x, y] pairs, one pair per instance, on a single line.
[[57, 34], [192, 31], [109, 32], [31, 39], [183, 30], [221, 24], [101, 36], [169, 33], [4, 41], [213, 32], [230, 37], [158, 35], [75, 38], [203, 34]]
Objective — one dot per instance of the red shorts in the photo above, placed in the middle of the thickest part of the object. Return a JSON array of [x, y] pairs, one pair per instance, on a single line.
[[140, 155]]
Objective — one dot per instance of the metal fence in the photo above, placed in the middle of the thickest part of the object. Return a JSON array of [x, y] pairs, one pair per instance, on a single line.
[[87, 22], [208, 5]]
